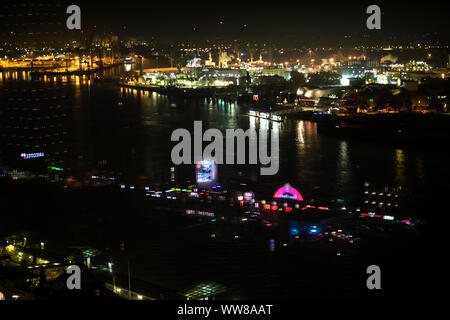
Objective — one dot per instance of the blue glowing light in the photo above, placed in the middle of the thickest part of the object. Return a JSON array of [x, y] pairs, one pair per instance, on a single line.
[[313, 230]]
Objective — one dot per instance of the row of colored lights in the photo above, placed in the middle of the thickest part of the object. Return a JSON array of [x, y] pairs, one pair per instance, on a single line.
[[122, 186], [274, 206], [384, 217]]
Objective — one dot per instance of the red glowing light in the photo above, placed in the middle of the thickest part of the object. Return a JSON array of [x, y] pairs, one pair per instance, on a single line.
[[287, 192]]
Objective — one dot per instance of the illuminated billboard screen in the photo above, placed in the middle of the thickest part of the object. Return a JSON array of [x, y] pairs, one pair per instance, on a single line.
[[32, 155], [205, 171]]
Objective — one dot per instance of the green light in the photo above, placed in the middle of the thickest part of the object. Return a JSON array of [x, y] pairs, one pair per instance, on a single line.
[[55, 168], [371, 100]]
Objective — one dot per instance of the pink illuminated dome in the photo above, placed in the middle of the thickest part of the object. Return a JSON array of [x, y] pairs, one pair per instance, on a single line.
[[288, 192]]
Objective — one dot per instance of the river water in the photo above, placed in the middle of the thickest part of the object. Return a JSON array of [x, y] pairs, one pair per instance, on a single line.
[[126, 134]]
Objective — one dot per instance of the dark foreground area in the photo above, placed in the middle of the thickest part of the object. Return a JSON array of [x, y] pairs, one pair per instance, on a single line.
[[171, 252]]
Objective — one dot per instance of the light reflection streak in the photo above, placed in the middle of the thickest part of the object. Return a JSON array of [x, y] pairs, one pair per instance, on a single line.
[[300, 132]]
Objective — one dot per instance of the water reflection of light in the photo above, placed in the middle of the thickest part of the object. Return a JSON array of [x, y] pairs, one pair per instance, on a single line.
[[343, 164], [300, 132], [233, 109], [343, 154], [399, 166]]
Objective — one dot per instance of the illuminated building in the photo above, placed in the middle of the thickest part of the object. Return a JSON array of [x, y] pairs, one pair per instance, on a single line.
[[288, 192], [210, 62], [268, 72], [33, 126], [381, 199], [194, 77], [417, 66], [32, 122], [224, 59]]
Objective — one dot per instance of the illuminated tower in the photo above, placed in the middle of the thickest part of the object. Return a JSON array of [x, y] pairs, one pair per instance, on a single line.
[[33, 124], [33, 111]]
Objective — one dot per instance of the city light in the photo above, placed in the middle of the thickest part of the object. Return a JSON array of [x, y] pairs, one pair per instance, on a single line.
[[110, 193], [288, 192]]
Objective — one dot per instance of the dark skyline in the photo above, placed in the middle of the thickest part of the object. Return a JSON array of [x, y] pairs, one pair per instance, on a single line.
[[279, 22]]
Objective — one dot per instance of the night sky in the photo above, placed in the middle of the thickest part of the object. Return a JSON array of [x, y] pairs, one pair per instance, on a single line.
[[274, 21]]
